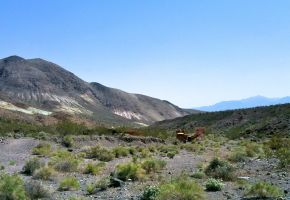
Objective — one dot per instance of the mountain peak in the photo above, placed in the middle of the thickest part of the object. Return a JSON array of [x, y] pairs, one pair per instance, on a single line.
[[13, 58]]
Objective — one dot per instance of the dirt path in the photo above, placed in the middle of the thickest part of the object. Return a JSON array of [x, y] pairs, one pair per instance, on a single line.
[[14, 153]]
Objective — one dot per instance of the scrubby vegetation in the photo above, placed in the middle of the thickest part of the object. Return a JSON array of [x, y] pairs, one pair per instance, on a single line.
[[220, 169], [150, 193], [100, 153], [94, 169], [68, 141], [121, 151], [12, 187], [153, 165], [69, 183], [181, 188], [64, 161], [214, 185], [130, 171], [264, 190], [43, 149], [45, 173], [35, 190], [100, 185], [31, 166], [278, 148]]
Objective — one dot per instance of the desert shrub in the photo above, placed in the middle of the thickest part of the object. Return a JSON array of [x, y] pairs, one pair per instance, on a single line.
[[121, 151], [12, 187], [42, 135], [152, 148], [77, 198], [253, 149], [153, 165], [94, 169], [128, 171], [35, 190], [100, 185], [168, 150], [150, 193], [214, 185], [239, 155], [67, 127], [69, 183], [12, 162], [181, 188], [189, 147], [264, 190], [42, 149], [283, 154], [132, 150], [91, 189], [32, 165], [145, 153], [279, 148], [64, 161], [198, 175], [68, 141], [220, 170], [45, 173], [100, 153]]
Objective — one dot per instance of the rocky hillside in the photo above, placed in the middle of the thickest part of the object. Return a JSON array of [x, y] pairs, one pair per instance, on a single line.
[[235, 123], [46, 88]]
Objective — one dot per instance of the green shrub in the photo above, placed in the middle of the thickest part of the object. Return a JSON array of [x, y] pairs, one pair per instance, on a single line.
[[77, 198], [254, 149], [68, 141], [220, 170], [35, 190], [67, 127], [264, 190], [238, 155], [198, 175], [130, 170], [121, 151], [168, 150], [283, 154], [153, 165], [150, 193], [101, 154], [214, 185], [69, 183], [65, 161], [100, 185], [94, 169], [103, 184], [91, 189], [12, 187], [42, 149], [45, 173], [31, 165], [12, 162], [181, 188], [279, 148]]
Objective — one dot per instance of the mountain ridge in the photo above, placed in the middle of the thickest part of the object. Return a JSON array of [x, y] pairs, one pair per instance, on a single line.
[[250, 102], [48, 86]]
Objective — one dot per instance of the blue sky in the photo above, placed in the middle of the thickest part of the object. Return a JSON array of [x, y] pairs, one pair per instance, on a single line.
[[190, 52]]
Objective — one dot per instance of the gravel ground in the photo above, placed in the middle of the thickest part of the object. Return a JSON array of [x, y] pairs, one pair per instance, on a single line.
[[14, 153]]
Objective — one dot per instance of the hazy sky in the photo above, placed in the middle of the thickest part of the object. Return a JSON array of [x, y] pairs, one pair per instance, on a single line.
[[190, 52]]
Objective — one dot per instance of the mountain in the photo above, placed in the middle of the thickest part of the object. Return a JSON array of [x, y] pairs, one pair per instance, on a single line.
[[42, 87], [258, 121], [245, 103]]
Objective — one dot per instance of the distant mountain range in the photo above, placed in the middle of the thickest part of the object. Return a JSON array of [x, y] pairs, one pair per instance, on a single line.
[[37, 86], [245, 103]]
